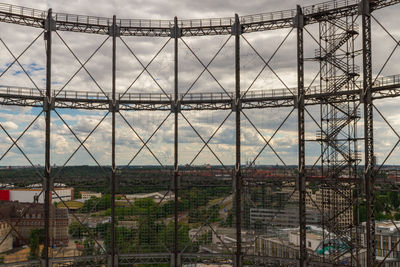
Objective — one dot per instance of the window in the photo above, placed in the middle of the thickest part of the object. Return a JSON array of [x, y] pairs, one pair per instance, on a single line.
[[309, 244]]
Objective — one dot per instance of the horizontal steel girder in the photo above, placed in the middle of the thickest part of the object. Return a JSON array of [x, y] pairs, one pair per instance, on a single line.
[[194, 27], [192, 101]]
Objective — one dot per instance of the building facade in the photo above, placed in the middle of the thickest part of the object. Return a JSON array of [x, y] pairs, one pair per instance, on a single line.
[[25, 195], [285, 217], [24, 217], [6, 239]]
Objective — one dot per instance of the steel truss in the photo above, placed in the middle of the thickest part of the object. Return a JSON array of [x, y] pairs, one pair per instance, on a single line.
[[15, 96], [338, 136], [339, 95]]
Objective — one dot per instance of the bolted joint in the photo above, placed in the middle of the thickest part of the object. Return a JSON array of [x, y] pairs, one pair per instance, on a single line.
[[365, 97], [237, 178], [236, 105], [51, 184], [109, 261], [176, 107], [48, 104], [116, 185], [369, 168], [176, 32], [178, 263], [298, 20], [364, 7], [114, 31], [298, 100], [113, 106], [178, 179], [237, 264], [49, 25], [44, 264], [236, 27], [238, 168]]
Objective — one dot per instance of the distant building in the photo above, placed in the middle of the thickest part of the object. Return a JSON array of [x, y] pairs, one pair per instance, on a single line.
[[281, 217], [279, 207], [6, 239], [85, 195], [6, 186], [224, 240], [27, 216], [36, 194], [156, 196], [387, 235], [286, 245], [335, 206]]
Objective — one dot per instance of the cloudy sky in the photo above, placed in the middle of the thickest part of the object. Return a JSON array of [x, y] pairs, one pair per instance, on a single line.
[[142, 124]]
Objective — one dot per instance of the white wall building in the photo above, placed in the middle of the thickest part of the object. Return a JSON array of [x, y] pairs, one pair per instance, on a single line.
[[156, 196], [85, 195], [30, 194]]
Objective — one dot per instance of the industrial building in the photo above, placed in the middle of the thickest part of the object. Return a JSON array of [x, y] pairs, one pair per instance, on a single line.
[[31, 194], [23, 217]]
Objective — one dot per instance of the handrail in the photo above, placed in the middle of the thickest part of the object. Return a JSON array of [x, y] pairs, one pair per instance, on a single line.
[[131, 24], [213, 96]]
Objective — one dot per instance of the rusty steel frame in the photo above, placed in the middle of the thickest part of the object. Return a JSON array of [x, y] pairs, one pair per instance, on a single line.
[[235, 101]]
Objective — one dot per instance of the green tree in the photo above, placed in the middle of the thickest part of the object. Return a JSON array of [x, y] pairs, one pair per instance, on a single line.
[[196, 215], [95, 204], [125, 238], [362, 212], [89, 247], [148, 233], [167, 235], [213, 213], [34, 244], [76, 230], [382, 203], [229, 220], [145, 206], [102, 229], [394, 199]]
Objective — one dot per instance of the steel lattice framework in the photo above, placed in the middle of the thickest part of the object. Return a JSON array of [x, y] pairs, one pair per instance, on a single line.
[[340, 95]]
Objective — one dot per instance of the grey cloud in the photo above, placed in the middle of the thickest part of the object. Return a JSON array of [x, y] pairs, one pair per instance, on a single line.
[[65, 65]]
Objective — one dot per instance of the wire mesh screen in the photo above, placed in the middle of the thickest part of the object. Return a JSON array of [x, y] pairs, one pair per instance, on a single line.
[[210, 142]]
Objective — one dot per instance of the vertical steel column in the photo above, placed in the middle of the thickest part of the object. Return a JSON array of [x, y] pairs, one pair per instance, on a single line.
[[176, 174], [322, 83], [368, 132], [47, 108], [113, 166], [237, 30], [299, 24]]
